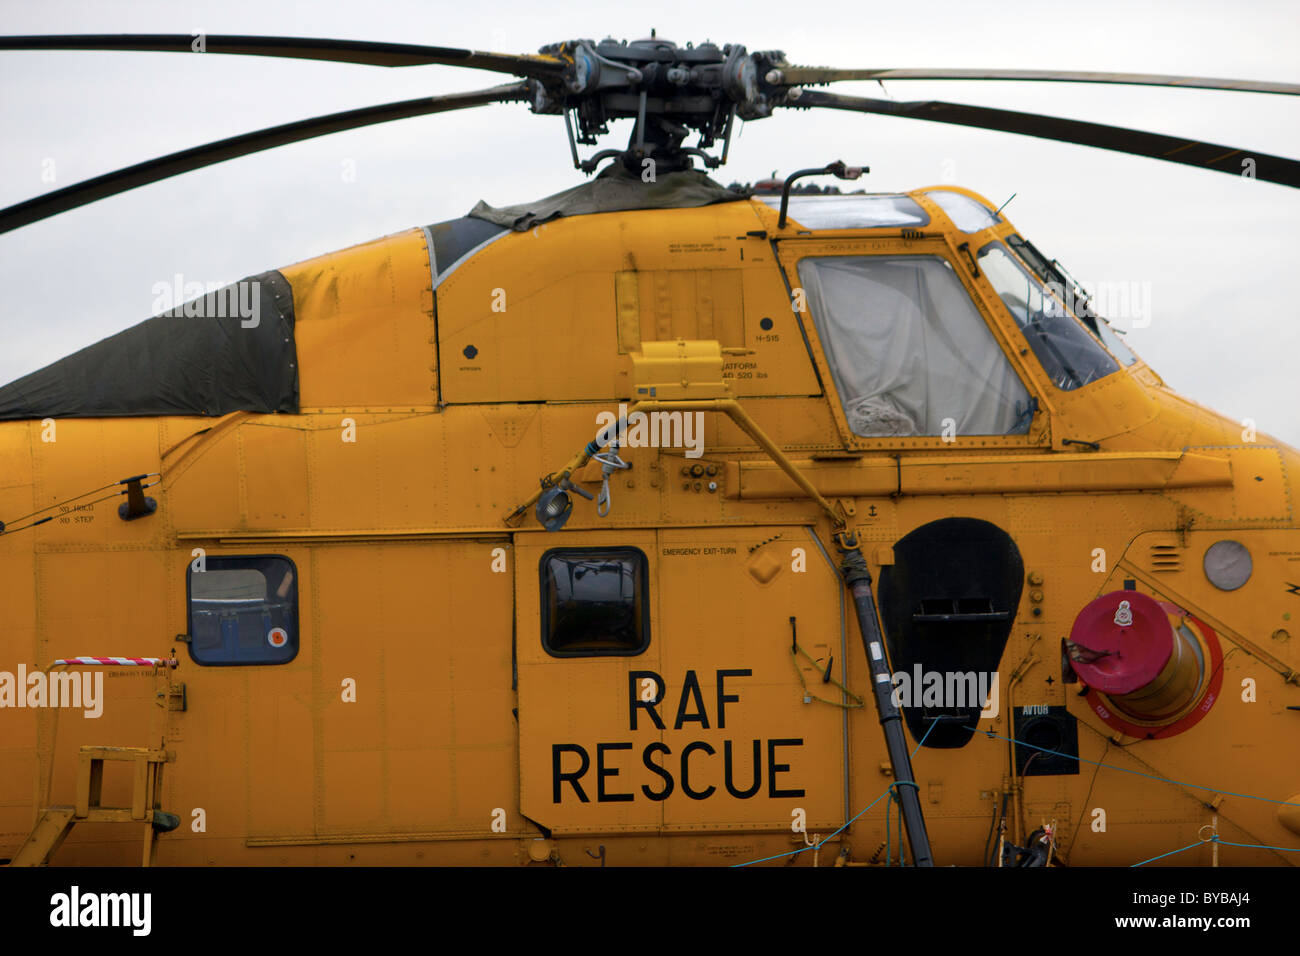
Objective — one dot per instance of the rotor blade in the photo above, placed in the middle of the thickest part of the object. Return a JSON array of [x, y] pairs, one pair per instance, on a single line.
[[337, 51], [803, 75], [187, 160], [1224, 159]]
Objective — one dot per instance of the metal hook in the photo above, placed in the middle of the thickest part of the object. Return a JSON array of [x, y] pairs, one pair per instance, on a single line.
[[610, 463]]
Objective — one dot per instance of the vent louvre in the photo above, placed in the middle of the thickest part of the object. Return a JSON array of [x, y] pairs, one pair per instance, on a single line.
[[1166, 558]]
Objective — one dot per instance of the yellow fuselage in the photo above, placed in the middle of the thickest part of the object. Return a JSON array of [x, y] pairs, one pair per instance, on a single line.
[[422, 721]]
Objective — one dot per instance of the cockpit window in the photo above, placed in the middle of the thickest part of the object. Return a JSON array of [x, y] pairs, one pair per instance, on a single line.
[[1071, 357], [1084, 308], [873, 211], [1110, 338], [908, 350], [966, 214]]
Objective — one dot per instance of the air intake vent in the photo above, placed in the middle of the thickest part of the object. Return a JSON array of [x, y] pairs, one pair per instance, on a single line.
[[1166, 558]]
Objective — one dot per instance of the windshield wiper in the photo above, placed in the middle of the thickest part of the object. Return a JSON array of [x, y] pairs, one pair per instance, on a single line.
[[1051, 271]]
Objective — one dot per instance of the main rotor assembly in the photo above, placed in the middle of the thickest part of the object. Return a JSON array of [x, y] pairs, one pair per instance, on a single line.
[[670, 92]]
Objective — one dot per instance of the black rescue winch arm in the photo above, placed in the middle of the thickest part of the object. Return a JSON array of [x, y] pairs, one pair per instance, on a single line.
[[858, 580]]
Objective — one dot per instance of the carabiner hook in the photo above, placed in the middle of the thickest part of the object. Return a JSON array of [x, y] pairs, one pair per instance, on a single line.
[[610, 463]]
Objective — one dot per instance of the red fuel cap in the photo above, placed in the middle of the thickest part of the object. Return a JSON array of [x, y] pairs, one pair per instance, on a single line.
[[1120, 642]]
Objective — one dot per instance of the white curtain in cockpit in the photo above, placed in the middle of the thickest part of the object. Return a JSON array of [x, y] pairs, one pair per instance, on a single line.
[[908, 349]]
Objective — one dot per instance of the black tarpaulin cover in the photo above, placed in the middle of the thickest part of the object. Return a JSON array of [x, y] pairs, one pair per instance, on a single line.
[[230, 350], [614, 189]]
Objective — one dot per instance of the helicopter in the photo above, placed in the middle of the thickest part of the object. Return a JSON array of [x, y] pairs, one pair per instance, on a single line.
[[652, 522]]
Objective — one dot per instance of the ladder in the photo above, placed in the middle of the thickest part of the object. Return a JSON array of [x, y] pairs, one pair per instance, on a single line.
[[56, 822]]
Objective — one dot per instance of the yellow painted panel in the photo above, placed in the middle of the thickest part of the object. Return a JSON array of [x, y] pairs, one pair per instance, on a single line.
[[628, 311], [1007, 474], [723, 616], [392, 474], [354, 781], [571, 708], [280, 766], [537, 315], [274, 472], [16, 464], [424, 630], [1254, 611], [421, 793], [1261, 491], [103, 603], [87, 454], [363, 325], [204, 483], [778, 363], [692, 304]]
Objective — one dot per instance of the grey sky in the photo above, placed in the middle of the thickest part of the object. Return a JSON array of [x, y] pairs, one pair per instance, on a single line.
[[1219, 252]]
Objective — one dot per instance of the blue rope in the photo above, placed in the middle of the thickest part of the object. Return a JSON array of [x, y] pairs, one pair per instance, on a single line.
[[902, 860], [1215, 839], [802, 849], [889, 851], [1193, 786], [888, 790], [1170, 853], [1258, 846], [1111, 766]]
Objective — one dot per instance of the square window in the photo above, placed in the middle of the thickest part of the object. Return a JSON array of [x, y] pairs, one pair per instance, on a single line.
[[594, 602], [243, 609]]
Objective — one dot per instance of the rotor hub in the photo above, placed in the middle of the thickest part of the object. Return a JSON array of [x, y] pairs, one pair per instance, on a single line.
[[669, 91]]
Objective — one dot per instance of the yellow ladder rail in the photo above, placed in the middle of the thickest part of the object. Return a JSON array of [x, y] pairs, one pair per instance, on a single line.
[[56, 822]]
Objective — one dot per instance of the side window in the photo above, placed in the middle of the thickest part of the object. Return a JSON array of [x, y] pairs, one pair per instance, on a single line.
[[1049, 271], [243, 609], [595, 602], [966, 214], [1069, 355], [908, 350]]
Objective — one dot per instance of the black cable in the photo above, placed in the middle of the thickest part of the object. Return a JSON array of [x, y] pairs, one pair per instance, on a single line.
[[63, 502], [988, 859], [993, 825], [4, 529]]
